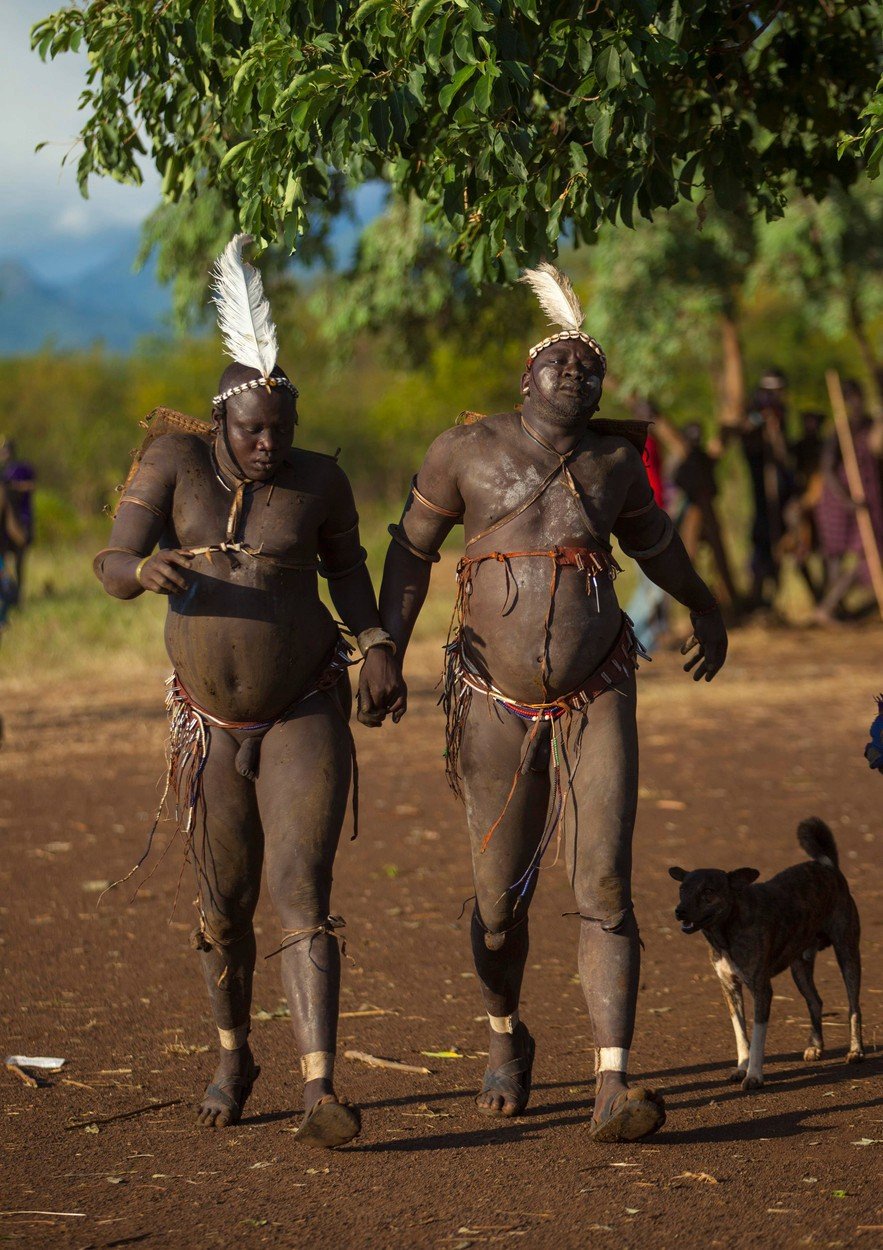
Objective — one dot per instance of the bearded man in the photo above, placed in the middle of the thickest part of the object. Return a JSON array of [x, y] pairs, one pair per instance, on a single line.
[[540, 684], [260, 751]]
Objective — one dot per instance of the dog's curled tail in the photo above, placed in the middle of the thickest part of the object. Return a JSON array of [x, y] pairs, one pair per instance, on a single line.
[[818, 841]]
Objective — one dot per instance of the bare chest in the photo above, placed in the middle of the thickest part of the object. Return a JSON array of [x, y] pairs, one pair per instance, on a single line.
[[513, 502], [280, 518]]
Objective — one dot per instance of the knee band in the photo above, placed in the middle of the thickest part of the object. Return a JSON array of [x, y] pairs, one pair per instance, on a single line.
[[495, 941], [609, 924]]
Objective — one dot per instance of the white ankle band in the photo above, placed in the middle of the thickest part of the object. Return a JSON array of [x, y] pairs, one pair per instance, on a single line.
[[233, 1039], [612, 1059], [504, 1024], [318, 1065]]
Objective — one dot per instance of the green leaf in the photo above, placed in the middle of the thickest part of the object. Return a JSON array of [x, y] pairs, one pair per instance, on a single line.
[[434, 40], [484, 90], [462, 76], [578, 161], [519, 73], [607, 67], [423, 11], [478, 259], [463, 48], [232, 153], [726, 186], [601, 132], [366, 8]]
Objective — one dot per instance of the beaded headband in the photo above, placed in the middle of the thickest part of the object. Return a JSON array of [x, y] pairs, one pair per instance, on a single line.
[[568, 334], [254, 385]]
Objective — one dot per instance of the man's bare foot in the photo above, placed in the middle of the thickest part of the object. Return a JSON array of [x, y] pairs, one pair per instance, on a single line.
[[506, 1086], [225, 1098], [623, 1112], [328, 1121]]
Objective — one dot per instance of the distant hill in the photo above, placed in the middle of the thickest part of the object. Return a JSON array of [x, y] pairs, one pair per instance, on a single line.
[[110, 304]]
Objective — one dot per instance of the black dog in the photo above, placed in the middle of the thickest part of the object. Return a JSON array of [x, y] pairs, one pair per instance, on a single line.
[[757, 931]]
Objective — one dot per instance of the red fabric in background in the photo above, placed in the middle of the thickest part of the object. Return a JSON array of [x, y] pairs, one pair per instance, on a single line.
[[653, 465]]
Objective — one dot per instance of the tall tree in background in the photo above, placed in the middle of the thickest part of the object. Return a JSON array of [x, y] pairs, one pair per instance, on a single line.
[[509, 121], [829, 257], [666, 294]]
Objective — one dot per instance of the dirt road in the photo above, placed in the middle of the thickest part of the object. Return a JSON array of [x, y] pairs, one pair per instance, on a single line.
[[727, 772]]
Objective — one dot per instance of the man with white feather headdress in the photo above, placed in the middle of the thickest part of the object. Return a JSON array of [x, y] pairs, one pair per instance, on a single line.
[[540, 682], [233, 523]]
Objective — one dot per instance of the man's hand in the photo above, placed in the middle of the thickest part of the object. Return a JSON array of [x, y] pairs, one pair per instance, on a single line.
[[710, 637], [382, 689], [162, 572]]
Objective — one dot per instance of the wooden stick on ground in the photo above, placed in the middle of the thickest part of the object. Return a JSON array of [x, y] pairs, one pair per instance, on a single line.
[[854, 481], [373, 1062], [123, 1115], [23, 1076]]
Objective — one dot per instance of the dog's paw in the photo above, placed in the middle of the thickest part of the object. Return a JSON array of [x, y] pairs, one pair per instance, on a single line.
[[738, 1074], [752, 1082], [855, 1056], [812, 1053]]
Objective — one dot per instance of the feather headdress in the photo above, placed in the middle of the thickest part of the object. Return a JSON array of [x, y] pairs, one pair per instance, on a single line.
[[560, 303], [244, 318]]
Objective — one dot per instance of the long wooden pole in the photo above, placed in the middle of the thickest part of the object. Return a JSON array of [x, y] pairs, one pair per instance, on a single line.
[[854, 482]]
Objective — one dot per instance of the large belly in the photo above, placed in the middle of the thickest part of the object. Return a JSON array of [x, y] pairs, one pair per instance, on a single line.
[[247, 642], [507, 636]]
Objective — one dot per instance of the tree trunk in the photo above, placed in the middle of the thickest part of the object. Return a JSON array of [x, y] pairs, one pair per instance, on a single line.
[[731, 379], [873, 366]]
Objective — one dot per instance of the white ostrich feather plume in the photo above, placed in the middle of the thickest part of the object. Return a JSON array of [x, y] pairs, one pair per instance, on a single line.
[[556, 295], [244, 316]]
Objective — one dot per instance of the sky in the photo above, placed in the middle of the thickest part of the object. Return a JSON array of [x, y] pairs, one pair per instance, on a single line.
[[44, 221]]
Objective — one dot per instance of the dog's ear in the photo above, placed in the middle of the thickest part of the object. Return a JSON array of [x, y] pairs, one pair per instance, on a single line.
[[743, 876], [677, 874]]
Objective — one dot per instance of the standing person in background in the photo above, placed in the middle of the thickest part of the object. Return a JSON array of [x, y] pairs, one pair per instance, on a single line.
[[19, 478], [11, 541], [766, 454], [648, 606], [697, 522], [801, 539], [837, 513]]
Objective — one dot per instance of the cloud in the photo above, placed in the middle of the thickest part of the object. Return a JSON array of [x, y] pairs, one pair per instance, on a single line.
[[40, 203]]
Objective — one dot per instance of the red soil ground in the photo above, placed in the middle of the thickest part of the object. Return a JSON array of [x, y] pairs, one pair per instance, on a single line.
[[728, 770]]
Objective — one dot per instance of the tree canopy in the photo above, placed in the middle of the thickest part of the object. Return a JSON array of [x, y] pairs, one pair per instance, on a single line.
[[509, 121]]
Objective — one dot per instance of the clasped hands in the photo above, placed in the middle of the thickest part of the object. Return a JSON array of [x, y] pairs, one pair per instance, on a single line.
[[382, 690]]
